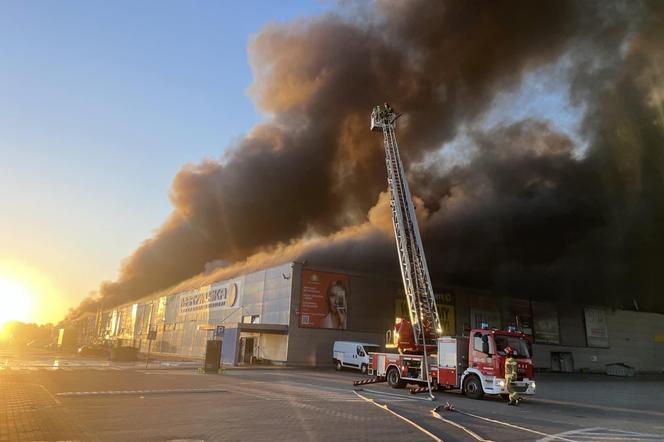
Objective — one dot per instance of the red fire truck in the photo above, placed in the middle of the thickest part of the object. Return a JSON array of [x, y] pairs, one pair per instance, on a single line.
[[426, 357], [474, 364]]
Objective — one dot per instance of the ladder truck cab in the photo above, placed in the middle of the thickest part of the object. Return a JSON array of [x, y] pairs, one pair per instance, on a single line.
[[426, 357], [476, 364]]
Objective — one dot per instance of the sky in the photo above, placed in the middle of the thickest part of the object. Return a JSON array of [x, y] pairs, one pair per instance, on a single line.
[[101, 103]]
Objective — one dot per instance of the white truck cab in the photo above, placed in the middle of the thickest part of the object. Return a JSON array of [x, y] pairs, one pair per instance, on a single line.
[[353, 354]]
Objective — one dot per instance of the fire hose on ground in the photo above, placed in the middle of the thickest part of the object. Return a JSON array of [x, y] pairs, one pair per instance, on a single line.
[[447, 407]]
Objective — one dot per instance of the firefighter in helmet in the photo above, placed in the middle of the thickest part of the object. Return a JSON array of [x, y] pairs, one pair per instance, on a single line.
[[511, 375]]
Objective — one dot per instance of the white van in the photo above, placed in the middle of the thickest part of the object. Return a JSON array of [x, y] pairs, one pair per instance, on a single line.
[[353, 354]]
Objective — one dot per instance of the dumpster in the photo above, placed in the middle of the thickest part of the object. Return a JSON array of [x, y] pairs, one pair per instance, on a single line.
[[212, 356]]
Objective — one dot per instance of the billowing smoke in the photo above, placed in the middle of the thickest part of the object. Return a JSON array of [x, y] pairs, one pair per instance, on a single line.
[[528, 212]]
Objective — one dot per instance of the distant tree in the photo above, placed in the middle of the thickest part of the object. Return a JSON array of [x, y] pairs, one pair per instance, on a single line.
[[21, 333]]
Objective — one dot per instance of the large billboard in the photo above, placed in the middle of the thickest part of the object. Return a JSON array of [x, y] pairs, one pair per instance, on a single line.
[[597, 333], [324, 300]]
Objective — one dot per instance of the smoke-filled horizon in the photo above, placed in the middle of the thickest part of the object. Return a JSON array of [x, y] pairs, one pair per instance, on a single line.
[[525, 213]]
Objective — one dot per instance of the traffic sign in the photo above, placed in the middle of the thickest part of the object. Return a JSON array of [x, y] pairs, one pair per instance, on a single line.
[[219, 331]]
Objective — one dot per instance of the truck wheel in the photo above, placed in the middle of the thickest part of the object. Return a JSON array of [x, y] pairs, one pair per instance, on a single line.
[[472, 387], [394, 378], [337, 365], [363, 369]]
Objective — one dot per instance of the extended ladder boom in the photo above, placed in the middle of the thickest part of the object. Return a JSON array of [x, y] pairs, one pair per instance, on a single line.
[[416, 281]]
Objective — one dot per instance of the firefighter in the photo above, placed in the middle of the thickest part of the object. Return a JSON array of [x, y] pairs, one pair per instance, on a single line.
[[510, 376]]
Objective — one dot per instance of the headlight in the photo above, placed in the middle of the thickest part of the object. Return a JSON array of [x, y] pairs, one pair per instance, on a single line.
[[500, 382], [532, 384]]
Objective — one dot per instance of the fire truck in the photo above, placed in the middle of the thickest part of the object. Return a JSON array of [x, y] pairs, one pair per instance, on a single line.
[[425, 357], [474, 364]]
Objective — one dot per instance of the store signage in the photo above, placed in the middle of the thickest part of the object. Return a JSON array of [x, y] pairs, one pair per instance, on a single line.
[[446, 297], [211, 297], [232, 295]]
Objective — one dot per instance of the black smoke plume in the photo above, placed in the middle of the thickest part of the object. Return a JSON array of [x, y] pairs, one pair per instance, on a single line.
[[526, 214]]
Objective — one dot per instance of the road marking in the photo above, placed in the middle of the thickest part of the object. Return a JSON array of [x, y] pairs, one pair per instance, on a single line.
[[395, 395], [598, 407], [405, 419], [517, 427], [348, 391], [131, 392], [474, 435], [68, 368], [293, 394], [600, 434], [323, 387]]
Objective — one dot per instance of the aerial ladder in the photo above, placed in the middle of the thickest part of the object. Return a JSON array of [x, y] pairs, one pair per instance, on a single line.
[[425, 326], [458, 365]]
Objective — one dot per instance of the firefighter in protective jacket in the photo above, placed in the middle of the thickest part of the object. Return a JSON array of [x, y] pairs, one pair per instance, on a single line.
[[511, 376]]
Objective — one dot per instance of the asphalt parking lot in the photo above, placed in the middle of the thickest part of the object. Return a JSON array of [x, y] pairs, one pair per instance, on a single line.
[[103, 402]]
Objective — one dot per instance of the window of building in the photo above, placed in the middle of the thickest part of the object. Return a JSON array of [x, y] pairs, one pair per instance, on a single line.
[[251, 319]]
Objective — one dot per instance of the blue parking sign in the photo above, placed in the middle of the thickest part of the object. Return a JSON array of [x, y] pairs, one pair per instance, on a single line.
[[219, 331]]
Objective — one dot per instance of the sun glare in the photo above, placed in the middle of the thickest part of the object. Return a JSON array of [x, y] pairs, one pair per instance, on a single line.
[[26, 294], [15, 299]]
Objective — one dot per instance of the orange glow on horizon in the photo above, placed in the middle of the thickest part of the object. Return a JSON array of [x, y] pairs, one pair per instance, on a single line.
[[26, 295]]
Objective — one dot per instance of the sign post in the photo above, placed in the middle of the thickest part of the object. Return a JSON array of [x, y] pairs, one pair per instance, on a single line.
[[152, 335], [219, 332]]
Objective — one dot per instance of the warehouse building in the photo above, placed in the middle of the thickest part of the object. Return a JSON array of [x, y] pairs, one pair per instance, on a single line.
[[283, 314], [292, 314]]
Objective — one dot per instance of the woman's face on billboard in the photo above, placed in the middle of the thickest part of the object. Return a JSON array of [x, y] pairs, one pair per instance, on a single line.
[[335, 295]]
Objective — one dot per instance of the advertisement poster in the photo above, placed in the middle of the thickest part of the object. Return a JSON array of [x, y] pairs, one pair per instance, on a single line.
[[324, 300], [546, 323], [596, 331]]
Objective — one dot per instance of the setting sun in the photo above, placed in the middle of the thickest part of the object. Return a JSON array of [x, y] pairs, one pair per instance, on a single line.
[[15, 299], [27, 295]]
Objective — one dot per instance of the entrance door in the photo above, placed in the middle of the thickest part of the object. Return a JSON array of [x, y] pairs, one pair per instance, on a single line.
[[248, 349]]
